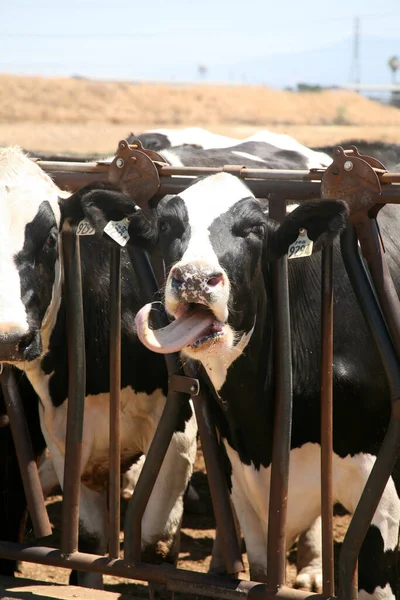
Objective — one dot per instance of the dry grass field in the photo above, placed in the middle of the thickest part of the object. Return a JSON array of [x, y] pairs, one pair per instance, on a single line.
[[87, 117]]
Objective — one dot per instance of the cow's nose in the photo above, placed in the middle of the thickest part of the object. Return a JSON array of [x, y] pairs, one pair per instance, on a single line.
[[196, 278], [17, 347]]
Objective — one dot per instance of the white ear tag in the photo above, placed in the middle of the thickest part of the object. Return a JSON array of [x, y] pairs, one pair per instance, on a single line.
[[302, 246], [85, 228], [118, 231]]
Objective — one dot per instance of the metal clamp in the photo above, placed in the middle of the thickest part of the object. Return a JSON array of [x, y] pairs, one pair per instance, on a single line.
[[353, 178], [186, 385], [236, 170], [134, 171]]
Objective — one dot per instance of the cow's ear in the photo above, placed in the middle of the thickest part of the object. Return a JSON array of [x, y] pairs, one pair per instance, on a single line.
[[322, 219], [100, 203]]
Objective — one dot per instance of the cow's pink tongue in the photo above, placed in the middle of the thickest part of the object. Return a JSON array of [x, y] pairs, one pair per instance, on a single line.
[[180, 333]]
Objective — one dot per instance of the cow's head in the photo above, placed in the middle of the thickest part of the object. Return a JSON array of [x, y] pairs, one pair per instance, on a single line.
[[216, 242], [29, 266], [216, 239]]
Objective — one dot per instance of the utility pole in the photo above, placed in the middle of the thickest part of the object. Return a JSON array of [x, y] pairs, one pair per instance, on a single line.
[[355, 71]]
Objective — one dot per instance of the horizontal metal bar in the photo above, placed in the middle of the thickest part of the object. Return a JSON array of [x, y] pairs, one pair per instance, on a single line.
[[74, 181], [245, 172], [202, 584], [72, 167], [290, 190]]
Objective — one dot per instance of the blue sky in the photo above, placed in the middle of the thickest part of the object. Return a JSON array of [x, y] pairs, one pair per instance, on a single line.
[[131, 40]]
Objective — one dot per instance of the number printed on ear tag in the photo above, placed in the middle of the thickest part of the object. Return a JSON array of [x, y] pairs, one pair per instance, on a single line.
[[85, 228], [118, 231], [302, 246]]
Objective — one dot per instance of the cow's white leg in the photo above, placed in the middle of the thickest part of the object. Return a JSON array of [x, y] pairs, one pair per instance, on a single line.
[[129, 479], [92, 532], [250, 496], [47, 475], [92, 506], [309, 559], [162, 518], [377, 561]]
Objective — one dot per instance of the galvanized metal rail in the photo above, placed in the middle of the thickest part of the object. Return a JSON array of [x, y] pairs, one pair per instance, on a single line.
[[350, 177]]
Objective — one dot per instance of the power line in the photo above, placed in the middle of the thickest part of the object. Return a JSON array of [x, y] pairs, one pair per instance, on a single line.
[[355, 70], [217, 30]]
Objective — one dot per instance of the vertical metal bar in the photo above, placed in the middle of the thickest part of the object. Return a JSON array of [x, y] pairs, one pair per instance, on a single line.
[[217, 482], [26, 459], [115, 402], [326, 420], [76, 390], [390, 448], [276, 548], [166, 426], [371, 246]]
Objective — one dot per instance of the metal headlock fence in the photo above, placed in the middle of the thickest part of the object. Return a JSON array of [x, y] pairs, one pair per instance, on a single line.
[[366, 186]]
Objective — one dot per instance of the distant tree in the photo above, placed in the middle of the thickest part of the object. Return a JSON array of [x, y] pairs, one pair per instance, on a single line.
[[394, 64], [306, 87]]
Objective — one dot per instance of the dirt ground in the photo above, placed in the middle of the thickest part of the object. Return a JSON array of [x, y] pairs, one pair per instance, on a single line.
[[198, 533]]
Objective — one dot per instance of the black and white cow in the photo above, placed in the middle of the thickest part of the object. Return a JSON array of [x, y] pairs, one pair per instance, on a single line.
[[217, 243], [33, 339], [261, 147], [386, 153]]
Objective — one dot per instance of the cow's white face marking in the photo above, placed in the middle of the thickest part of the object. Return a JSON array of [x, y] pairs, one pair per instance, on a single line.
[[23, 188], [205, 202]]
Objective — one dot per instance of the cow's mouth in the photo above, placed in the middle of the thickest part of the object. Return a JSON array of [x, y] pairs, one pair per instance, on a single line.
[[195, 326]]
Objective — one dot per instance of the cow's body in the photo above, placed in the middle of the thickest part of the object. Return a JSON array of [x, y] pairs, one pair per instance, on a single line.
[[265, 147], [32, 324], [386, 153], [212, 237]]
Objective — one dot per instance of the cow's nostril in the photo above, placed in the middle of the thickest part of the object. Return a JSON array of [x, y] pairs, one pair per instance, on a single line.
[[215, 280], [26, 341], [177, 275]]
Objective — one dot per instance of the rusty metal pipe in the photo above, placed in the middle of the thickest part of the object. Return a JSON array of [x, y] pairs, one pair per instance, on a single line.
[[76, 390], [327, 420], [25, 456], [371, 245], [115, 402], [276, 548], [173, 171], [174, 185], [290, 190], [166, 426], [202, 584], [390, 448], [217, 482]]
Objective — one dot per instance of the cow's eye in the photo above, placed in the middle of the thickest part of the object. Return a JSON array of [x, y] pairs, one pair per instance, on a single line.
[[257, 230], [51, 241], [163, 226]]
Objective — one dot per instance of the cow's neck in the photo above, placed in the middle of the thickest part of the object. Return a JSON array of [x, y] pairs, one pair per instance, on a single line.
[[244, 413], [217, 366]]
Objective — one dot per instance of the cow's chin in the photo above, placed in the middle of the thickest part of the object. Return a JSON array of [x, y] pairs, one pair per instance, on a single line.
[[215, 344], [216, 337]]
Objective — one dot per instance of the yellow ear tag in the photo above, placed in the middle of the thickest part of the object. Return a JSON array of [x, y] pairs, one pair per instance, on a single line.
[[302, 246]]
